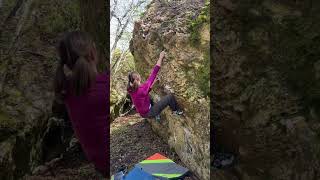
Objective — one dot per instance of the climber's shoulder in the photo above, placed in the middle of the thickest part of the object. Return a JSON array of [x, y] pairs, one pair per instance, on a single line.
[[143, 86]]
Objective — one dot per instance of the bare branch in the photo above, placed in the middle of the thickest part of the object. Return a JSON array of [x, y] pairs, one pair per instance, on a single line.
[[124, 20], [115, 3]]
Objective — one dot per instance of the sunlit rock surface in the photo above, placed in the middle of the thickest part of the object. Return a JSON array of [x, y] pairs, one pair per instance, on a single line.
[[181, 28]]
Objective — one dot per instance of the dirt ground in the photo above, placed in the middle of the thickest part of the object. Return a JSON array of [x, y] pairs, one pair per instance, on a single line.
[[132, 140], [73, 166]]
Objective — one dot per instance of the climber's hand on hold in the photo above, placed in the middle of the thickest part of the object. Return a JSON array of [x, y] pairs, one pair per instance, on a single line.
[[161, 57], [162, 54]]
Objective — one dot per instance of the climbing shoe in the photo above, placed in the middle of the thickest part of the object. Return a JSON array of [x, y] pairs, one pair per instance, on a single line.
[[158, 118], [119, 176], [178, 112]]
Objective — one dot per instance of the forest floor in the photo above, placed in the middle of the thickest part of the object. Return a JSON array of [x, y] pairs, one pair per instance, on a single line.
[[73, 166], [133, 140]]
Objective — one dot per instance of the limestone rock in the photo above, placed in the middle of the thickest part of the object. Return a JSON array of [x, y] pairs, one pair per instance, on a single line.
[[29, 32], [266, 88], [179, 27]]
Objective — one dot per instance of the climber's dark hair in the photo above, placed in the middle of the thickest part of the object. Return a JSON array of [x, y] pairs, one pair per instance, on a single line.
[[132, 82], [78, 54]]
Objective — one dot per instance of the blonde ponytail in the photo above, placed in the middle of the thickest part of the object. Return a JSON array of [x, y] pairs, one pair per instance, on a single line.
[[82, 76], [75, 70]]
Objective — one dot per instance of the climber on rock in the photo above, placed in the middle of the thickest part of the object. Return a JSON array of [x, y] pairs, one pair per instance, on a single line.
[[85, 93], [139, 93]]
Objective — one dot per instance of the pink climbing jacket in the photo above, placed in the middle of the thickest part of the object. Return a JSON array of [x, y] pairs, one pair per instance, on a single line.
[[89, 114], [140, 97]]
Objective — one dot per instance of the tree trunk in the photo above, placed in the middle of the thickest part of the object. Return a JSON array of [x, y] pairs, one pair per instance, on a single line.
[[94, 20]]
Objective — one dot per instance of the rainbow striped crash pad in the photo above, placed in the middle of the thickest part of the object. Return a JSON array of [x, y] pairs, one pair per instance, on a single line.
[[156, 167]]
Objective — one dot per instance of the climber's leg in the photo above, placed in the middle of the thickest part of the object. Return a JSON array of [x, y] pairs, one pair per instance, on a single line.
[[151, 101], [174, 105], [172, 102], [158, 118], [168, 100], [157, 108]]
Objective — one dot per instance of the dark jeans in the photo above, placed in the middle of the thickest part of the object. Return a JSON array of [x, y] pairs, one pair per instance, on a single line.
[[156, 108]]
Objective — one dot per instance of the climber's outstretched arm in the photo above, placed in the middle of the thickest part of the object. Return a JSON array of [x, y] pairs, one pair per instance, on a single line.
[[155, 70], [161, 57], [154, 73]]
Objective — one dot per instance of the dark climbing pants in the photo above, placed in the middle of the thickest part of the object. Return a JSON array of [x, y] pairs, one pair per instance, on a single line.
[[156, 108]]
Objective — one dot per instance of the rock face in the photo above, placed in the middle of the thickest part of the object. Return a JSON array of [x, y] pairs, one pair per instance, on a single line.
[[181, 28], [28, 134], [266, 88]]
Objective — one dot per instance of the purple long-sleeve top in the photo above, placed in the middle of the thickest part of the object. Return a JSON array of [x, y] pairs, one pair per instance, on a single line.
[[140, 97], [89, 114]]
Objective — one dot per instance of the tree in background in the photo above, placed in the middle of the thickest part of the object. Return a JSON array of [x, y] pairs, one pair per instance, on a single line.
[[123, 14], [94, 20]]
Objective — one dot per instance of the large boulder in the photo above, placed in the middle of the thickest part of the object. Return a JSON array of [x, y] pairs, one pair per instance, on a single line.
[[29, 32], [181, 28], [266, 88]]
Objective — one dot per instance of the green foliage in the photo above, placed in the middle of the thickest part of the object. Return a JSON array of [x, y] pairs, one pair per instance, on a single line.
[[199, 72], [196, 24], [203, 75], [142, 14], [116, 55], [125, 66]]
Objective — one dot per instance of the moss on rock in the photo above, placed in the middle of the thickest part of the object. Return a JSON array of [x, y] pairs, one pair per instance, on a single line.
[[6, 121], [265, 58], [196, 24], [60, 17]]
